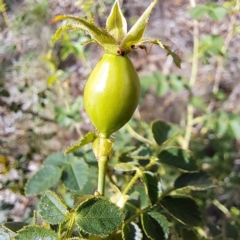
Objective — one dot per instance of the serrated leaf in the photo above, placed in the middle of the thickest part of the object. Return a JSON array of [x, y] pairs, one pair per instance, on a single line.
[[43, 180], [176, 59], [116, 22], [151, 186], [135, 34], [57, 159], [182, 208], [98, 216], [100, 35], [52, 209], [155, 225], [178, 158], [88, 138], [75, 174], [131, 231], [4, 236], [36, 232], [125, 167], [14, 226], [162, 131], [194, 181]]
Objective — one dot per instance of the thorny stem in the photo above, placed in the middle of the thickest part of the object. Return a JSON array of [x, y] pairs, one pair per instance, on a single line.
[[102, 169], [190, 109]]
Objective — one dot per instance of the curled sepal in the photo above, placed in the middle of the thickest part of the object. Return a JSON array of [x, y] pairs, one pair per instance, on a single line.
[[100, 35], [116, 23], [176, 58], [102, 147], [88, 138], [135, 34]]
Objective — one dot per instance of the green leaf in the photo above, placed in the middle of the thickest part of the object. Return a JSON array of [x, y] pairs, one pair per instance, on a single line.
[[88, 138], [198, 11], [75, 174], [194, 181], [57, 159], [189, 234], [36, 232], [234, 126], [100, 35], [162, 85], [4, 236], [43, 180], [125, 167], [98, 216], [217, 13], [176, 58], [182, 208], [131, 231], [155, 225], [52, 209], [116, 23], [178, 158], [162, 131], [135, 34], [175, 82], [14, 226], [198, 102], [151, 186]]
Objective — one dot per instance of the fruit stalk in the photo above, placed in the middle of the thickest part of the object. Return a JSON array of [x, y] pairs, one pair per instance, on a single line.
[[102, 168]]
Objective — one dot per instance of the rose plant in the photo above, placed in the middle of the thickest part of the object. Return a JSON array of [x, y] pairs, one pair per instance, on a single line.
[[130, 209]]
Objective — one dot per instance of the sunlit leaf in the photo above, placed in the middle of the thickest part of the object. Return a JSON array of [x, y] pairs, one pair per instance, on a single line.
[[36, 232], [155, 225], [131, 231]]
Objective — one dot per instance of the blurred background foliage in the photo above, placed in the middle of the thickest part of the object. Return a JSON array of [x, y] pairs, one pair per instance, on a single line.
[[41, 86]]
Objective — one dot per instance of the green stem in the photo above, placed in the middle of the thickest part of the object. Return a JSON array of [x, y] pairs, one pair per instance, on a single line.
[[102, 168], [193, 78], [139, 212], [131, 183], [70, 227], [137, 136]]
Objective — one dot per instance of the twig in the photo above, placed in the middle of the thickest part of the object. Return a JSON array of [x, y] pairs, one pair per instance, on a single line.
[[190, 109]]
